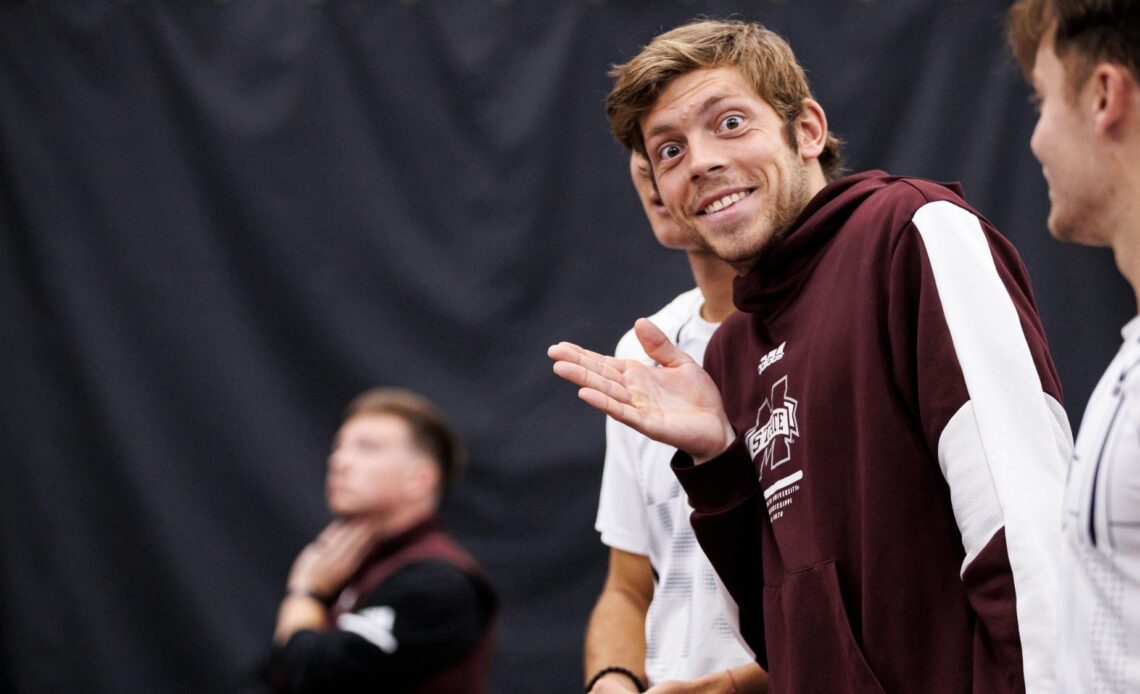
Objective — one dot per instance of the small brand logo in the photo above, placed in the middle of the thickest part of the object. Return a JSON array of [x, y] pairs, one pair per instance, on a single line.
[[771, 358], [776, 428]]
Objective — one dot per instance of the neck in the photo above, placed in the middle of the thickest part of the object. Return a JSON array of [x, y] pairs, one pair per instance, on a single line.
[[392, 524], [1126, 249], [714, 278], [1123, 226]]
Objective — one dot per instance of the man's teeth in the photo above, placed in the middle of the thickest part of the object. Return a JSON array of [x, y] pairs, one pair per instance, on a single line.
[[724, 202]]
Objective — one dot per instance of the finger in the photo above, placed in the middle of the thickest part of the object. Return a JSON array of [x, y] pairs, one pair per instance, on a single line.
[[337, 564], [363, 532], [566, 351], [354, 536], [608, 383], [587, 359], [326, 535], [622, 412], [657, 345], [332, 548], [338, 531], [608, 368]]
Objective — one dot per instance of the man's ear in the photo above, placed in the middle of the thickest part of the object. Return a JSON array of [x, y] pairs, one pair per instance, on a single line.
[[1115, 98], [811, 130], [425, 478]]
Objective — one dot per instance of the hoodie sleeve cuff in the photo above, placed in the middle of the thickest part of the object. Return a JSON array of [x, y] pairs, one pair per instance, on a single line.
[[719, 483]]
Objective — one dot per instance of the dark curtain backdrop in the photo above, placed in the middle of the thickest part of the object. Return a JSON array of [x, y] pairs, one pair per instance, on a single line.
[[221, 220]]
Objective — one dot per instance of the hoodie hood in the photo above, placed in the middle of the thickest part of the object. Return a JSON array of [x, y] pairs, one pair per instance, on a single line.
[[782, 269]]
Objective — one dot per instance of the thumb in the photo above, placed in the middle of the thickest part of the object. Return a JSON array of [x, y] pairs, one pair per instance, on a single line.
[[657, 345]]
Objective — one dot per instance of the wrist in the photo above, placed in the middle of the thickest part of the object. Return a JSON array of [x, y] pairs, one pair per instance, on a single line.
[[617, 674], [325, 601], [732, 689], [729, 438], [719, 682]]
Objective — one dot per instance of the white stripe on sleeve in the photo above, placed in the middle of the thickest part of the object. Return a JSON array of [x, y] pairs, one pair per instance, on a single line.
[[1015, 429]]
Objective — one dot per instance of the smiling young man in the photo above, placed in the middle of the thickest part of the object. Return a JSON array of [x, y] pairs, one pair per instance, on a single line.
[[875, 454], [1083, 58], [383, 599], [662, 618]]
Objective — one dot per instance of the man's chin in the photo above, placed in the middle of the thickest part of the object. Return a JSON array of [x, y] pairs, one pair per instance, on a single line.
[[1062, 228], [340, 508], [1069, 232], [1057, 232], [744, 254]]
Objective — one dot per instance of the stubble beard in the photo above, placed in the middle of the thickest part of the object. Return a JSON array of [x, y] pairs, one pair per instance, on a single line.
[[778, 222]]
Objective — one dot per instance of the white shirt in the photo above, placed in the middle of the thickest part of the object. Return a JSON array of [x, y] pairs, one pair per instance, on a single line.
[[692, 626], [1099, 626]]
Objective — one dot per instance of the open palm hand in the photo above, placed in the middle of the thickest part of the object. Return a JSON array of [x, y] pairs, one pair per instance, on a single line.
[[675, 403]]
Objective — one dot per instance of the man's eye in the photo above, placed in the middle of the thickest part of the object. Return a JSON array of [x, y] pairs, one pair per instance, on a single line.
[[668, 152], [731, 122]]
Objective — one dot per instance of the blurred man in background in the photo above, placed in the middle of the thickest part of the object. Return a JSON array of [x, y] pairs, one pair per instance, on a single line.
[[1083, 59], [663, 615], [383, 599]]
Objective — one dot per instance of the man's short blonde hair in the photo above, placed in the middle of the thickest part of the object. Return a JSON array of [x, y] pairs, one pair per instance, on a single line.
[[762, 56], [430, 430]]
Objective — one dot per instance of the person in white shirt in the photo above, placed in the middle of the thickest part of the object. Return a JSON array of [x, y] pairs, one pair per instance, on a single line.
[[1083, 59], [663, 619]]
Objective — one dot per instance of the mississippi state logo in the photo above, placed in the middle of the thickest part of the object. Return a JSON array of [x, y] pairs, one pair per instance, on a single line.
[[776, 428]]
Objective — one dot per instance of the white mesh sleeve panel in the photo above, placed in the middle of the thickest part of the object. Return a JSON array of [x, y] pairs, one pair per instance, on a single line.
[[967, 471]]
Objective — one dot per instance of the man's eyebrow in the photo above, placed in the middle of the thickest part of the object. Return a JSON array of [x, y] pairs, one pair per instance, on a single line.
[[705, 108]]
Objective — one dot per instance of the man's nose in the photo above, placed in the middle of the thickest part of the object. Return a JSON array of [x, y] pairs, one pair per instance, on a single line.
[[705, 157]]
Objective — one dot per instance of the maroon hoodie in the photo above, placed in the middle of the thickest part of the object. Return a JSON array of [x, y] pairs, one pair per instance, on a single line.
[[886, 517]]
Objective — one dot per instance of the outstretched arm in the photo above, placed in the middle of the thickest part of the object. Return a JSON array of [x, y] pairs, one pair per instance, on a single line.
[[675, 403]]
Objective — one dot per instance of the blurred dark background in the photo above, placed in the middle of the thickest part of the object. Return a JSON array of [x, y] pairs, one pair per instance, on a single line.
[[219, 220]]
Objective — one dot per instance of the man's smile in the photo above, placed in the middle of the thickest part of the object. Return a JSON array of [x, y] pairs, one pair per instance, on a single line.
[[722, 201]]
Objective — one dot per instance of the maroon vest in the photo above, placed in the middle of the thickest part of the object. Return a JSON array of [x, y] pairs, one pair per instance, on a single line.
[[424, 542]]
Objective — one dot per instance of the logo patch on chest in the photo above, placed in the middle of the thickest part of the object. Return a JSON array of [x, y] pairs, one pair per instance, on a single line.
[[776, 428]]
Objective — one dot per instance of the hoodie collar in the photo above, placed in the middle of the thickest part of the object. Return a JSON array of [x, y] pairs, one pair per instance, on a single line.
[[782, 269]]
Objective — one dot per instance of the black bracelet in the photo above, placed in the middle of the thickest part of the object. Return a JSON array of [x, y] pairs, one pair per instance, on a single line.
[[323, 599], [619, 670]]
